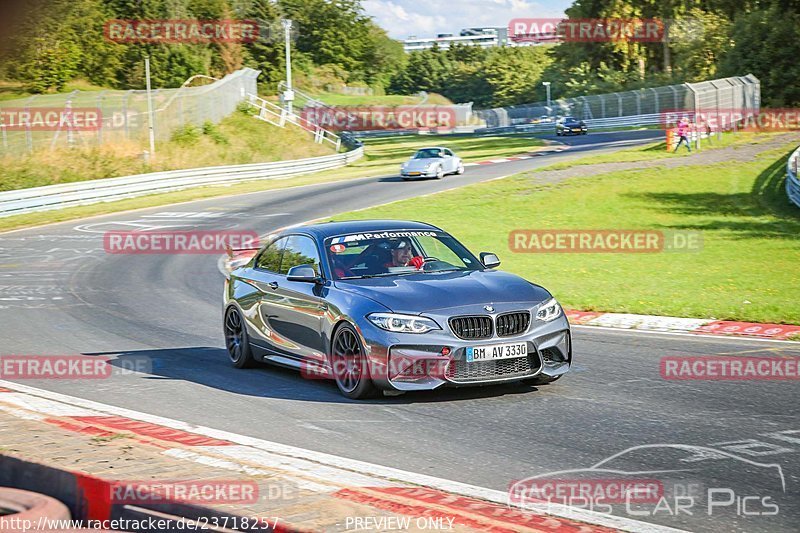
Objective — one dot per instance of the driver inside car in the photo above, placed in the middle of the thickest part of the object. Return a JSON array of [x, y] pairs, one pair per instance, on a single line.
[[403, 255]]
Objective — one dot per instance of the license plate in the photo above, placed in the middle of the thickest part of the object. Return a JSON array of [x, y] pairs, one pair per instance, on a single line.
[[497, 351], [414, 173], [576, 129]]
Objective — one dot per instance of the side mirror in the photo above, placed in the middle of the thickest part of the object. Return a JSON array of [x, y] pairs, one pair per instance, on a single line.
[[490, 260], [304, 273]]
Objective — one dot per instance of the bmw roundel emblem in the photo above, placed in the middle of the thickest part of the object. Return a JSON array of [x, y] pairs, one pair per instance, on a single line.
[[489, 308]]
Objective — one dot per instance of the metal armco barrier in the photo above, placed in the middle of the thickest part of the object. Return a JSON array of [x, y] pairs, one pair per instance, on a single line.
[[106, 190], [792, 182], [652, 119]]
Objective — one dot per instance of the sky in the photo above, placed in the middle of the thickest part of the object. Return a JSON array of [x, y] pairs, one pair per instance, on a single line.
[[426, 18]]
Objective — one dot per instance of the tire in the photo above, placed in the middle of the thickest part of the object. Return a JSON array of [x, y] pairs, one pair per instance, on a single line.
[[439, 173], [236, 340], [540, 380], [27, 506], [460, 170], [349, 363]]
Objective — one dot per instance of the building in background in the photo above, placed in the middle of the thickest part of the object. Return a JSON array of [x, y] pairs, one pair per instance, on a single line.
[[483, 37]]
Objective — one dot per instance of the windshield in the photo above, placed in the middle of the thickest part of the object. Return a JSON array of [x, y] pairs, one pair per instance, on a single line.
[[427, 153], [394, 253]]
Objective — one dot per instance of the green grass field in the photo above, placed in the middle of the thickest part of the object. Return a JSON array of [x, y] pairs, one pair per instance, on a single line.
[[238, 139], [747, 268]]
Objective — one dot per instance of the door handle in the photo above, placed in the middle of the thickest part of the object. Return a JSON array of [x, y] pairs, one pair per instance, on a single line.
[[273, 285]]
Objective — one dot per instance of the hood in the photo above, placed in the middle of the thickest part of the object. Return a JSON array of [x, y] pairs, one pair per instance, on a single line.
[[419, 164], [419, 293]]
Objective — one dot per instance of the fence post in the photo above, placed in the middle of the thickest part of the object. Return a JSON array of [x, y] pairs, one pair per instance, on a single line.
[[696, 106], [657, 107]]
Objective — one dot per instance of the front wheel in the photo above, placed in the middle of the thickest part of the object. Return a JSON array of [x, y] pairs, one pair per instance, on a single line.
[[350, 367], [236, 340], [439, 173], [460, 169]]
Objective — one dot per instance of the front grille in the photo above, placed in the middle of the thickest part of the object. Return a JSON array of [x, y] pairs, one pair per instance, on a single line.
[[472, 327], [460, 371], [510, 324]]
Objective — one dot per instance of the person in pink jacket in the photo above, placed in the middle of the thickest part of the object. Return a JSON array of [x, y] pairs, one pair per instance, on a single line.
[[683, 135]]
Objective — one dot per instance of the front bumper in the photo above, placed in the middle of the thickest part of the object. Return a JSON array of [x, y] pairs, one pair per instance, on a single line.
[[431, 173], [409, 362]]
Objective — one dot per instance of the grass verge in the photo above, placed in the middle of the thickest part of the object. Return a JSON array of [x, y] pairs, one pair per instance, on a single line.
[[746, 269], [238, 139]]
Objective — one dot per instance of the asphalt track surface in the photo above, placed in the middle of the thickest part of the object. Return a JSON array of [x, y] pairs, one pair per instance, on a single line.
[[60, 294]]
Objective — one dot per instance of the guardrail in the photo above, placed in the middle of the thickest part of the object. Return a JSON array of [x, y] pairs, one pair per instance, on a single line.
[[632, 121], [105, 190], [792, 181]]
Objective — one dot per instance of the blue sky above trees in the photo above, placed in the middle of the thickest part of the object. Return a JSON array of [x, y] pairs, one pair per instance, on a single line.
[[426, 18]]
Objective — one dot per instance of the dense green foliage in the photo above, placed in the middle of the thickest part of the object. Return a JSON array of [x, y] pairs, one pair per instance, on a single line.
[[54, 41]]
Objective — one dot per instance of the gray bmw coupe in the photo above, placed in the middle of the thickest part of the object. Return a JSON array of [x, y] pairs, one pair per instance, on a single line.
[[394, 306]]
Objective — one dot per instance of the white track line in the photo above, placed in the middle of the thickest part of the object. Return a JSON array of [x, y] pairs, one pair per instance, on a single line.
[[382, 473]]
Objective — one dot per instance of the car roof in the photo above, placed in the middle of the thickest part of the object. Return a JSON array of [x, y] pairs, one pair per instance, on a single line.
[[431, 148], [331, 229]]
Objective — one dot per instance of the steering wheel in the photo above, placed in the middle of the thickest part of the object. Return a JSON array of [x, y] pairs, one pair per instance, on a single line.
[[427, 261]]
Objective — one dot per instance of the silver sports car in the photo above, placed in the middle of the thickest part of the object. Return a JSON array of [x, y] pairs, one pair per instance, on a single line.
[[434, 162], [394, 306]]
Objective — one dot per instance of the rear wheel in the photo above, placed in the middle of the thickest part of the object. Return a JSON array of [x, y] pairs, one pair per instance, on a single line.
[[350, 367], [236, 340]]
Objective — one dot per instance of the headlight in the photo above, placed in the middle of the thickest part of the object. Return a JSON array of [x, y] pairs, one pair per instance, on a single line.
[[549, 310], [403, 323]]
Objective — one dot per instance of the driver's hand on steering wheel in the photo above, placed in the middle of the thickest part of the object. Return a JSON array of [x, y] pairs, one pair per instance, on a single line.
[[416, 262]]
